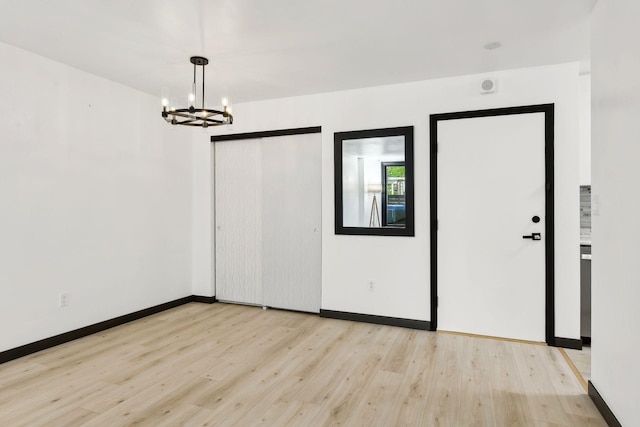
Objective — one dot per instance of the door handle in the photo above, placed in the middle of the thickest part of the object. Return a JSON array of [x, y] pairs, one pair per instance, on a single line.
[[533, 236]]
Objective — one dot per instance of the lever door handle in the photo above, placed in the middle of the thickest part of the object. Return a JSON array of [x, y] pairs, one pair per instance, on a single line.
[[533, 236]]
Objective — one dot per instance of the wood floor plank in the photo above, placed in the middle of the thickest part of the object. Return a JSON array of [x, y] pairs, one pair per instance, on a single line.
[[53, 403], [298, 414], [333, 368], [475, 400], [192, 416], [340, 404], [377, 400], [536, 379], [149, 378], [444, 382], [156, 404], [396, 358], [225, 364], [564, 382]]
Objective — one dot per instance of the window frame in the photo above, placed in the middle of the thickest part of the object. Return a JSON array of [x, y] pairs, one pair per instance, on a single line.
[[409, 229]]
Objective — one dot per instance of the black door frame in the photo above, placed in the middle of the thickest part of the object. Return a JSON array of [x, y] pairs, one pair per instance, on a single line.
[[548, 110]]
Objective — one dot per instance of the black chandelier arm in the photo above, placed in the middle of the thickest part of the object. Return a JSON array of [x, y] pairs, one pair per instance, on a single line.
[[188, 112], [199, 123], [183, 112], [190, 124], [175, 121], [216, 121], [174, 117]]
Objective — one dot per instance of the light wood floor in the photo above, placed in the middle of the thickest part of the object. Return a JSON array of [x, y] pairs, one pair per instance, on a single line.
[[581, 360], [233, 365]]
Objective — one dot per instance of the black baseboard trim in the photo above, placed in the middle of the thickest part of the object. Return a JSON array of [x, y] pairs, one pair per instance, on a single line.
[[586, 341], [602, 406], [567, 343], [204, 300], [424, 325], [34, 347]]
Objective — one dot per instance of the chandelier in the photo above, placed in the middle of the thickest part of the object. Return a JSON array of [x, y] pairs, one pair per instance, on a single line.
[[193, 116]]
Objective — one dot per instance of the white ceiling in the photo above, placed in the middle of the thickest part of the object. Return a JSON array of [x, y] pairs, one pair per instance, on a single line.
[[260, 49]]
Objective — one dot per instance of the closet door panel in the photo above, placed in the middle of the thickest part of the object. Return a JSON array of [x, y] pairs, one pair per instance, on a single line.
[[291, 214], [238, 223]]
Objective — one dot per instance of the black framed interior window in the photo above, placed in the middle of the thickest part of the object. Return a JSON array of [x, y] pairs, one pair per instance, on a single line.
[[374, 182]]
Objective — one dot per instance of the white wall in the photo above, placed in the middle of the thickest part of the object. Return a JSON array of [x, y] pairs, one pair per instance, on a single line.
[[203, 281], [616, 176], [585, 129], [349, 262], [95, 200]]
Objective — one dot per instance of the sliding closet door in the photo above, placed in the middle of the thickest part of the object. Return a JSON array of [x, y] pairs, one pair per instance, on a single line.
[[238, 199], [291, 219], [268, 219]]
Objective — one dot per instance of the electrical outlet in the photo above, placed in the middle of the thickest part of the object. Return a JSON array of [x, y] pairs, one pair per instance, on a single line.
[[64, 299], [371, 286]]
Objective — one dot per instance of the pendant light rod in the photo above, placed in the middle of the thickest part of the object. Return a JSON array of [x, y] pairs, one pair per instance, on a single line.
[[193, 86], [202, 86]]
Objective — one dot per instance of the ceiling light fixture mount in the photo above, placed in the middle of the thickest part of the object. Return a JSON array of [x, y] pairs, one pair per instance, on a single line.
[[192, 116]]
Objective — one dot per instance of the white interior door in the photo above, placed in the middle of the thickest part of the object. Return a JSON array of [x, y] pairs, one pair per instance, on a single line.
[[491, 178], [238, 221], [268, 219], [291, 212]]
